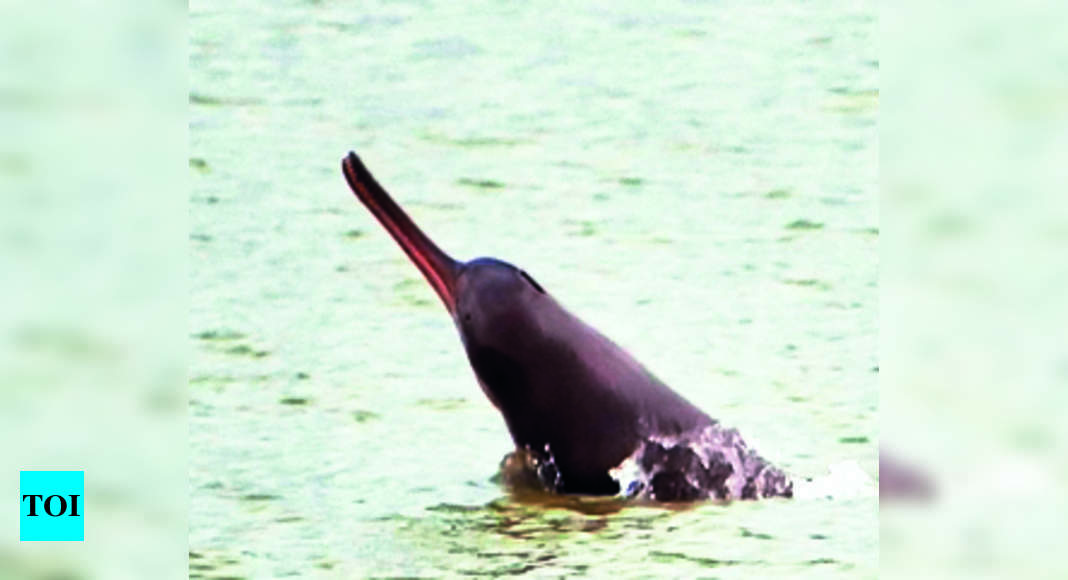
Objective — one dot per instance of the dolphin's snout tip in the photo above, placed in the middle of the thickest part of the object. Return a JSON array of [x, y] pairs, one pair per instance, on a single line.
[[353, 169], [349, 159]]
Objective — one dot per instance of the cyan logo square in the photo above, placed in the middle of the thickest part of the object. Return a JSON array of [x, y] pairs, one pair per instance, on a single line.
[[52, 506]]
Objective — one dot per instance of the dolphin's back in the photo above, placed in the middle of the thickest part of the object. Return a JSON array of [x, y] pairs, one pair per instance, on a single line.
[[571, 388]]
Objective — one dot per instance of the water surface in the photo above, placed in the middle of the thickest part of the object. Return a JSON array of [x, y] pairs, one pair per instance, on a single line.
[[697, 182]]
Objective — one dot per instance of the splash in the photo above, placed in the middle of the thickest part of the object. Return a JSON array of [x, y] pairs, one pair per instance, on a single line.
[[711, 463]]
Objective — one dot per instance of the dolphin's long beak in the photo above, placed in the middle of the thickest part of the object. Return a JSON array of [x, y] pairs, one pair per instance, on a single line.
[[439, 269]]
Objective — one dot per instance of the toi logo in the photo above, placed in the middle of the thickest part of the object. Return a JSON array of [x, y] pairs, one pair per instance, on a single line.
[[52, 506]]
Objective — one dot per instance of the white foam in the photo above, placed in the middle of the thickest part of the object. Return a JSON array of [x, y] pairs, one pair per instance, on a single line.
[[844, 480], [630, 476]]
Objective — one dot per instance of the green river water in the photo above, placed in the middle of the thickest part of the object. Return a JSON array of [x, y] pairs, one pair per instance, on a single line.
[[698, 181]]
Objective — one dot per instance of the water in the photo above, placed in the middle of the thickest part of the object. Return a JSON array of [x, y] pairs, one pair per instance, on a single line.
[[698, 183]]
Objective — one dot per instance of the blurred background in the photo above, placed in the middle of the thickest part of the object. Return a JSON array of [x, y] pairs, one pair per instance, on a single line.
[[973, 339], [638, 163], [93, 298]]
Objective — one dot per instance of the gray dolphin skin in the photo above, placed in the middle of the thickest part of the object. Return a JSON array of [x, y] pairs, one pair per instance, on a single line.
[[586, 416]]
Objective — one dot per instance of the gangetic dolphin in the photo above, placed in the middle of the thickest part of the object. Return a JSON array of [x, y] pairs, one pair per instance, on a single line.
[[591, 419]]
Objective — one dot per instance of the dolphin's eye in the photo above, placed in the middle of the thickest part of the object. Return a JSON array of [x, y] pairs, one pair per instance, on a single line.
[[532, 282]]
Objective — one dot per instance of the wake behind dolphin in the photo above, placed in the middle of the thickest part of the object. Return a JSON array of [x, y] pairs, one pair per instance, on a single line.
[[585, 416]]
